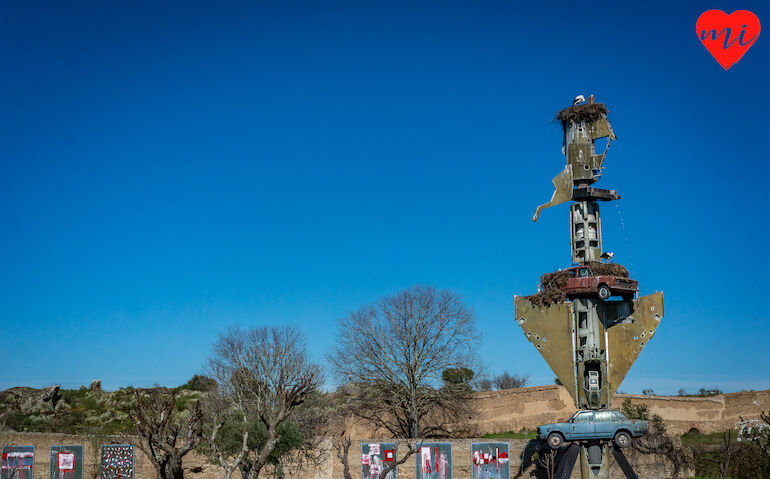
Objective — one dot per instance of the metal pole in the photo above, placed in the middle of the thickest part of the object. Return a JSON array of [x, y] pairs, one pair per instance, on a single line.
[[595, 461]]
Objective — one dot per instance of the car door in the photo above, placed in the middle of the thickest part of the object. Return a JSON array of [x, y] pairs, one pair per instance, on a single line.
[[583, 425], [605, 424], [585, 281]]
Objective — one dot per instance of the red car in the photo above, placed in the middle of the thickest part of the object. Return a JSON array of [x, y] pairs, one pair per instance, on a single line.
[[582, 281]]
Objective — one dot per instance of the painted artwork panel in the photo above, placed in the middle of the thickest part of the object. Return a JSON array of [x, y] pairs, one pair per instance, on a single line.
[[66, 462], [490, 460], [434, 461], [18, 462], [375, 457], [117, 461]]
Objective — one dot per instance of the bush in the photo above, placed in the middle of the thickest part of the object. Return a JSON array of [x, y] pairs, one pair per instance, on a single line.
[[457, 375], [642, 411], [509, 381], [199, 383]]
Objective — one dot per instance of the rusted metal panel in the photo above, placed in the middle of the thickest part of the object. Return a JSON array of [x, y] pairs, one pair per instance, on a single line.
[[551, 331], [600, 129], [627, 339], [562, 191]]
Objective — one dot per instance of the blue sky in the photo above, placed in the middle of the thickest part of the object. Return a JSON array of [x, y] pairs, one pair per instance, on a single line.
[[169, 170]]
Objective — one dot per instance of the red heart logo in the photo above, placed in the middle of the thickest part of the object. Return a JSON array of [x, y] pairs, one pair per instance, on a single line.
[[727, 37]]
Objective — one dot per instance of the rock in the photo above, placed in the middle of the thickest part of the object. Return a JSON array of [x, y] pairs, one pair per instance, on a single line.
[[36, 400], [51, 395], [96, 386]]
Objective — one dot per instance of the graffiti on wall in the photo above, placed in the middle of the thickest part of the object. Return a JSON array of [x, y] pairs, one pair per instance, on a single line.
[[434, 461], [376, 457], [67, 462], [117, 461], [18, 462], [490, 460]]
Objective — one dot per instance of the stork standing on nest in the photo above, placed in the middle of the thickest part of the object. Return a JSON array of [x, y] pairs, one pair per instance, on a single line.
[[578, 100]]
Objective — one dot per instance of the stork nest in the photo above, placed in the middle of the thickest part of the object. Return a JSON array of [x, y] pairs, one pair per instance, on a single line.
[[552, 284], [551, 289], [587, 112], [607, 269]]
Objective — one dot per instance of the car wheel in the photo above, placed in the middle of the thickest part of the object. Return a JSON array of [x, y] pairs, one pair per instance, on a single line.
[[555, 440], [622, 439], [604, 292]]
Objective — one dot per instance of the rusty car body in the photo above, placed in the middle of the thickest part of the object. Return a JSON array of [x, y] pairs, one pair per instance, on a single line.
[[583, 281]]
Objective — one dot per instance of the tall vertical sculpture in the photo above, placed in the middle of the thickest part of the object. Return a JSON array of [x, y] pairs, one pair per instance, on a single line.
[[588, 322]]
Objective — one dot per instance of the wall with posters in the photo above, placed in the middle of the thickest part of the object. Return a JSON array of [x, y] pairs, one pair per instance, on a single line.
[[18, 462], [66, 462], [490, 460], [199, 467], [375, 457], [117, 462], [434, 461]]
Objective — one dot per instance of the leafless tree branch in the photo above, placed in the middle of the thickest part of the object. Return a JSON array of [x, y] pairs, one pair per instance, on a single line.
[[393, 353]]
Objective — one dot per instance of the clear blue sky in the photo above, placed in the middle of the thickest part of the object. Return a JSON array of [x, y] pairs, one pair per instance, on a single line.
[[169, 170]]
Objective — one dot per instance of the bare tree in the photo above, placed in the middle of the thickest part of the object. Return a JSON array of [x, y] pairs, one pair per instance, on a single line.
[[546, 463], [657, 443], [394, 352], [484, 384], [410, 450], [310, 422], [6, 435], [6, 438], [218, 409], [341, 446], [510, 381], [266, 374], [666, 448], [165, 436], [726, 452]]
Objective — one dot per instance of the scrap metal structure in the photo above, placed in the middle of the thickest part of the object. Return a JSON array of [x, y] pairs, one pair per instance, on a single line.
[[589, 342]]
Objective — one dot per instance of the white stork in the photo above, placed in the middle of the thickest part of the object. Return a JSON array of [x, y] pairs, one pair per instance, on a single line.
[[608, 255]]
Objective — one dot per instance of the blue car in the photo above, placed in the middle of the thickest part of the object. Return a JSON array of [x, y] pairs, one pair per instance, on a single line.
[[591, 425]]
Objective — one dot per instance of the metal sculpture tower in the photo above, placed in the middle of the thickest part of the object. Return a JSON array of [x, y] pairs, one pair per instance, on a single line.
[[589, 340]]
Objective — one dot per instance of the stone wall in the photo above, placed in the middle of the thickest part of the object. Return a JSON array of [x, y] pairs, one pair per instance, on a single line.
[[645, 466], [197, 467], [708, 414], [514, 409], [526, 408], [496, 411], [143, 468]]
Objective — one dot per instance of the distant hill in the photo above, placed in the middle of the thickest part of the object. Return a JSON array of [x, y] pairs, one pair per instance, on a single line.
[[79, 411]]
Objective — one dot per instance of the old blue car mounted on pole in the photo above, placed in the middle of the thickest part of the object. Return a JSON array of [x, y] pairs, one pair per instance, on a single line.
[[593, 425]]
